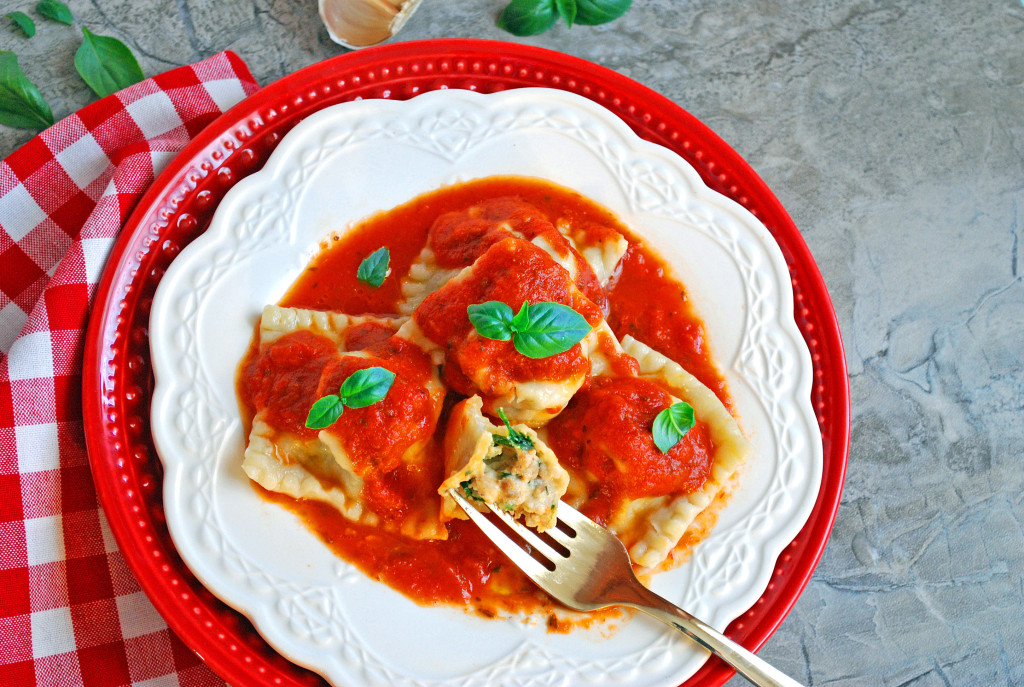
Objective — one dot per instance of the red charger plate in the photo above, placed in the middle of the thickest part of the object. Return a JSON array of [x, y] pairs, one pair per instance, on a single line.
[[118, 382]]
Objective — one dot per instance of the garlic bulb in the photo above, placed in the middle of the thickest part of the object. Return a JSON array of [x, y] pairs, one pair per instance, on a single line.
[[359, 23]]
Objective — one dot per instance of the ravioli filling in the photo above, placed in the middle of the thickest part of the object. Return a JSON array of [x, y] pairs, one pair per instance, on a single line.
[[506, 466]]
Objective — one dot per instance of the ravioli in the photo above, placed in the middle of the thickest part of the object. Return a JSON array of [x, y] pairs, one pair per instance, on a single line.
[[588, 251], [620, 478], [511, 271], [354, 463], [509, 467]]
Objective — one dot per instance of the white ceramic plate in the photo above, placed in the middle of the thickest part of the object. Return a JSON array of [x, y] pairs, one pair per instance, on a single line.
[[352, 160]]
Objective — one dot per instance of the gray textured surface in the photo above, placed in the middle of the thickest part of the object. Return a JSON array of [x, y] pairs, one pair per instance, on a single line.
[[893, 132]]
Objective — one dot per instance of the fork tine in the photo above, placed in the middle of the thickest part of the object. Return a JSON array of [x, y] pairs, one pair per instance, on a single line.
[[560, 536], [511, 549], [572, 517], [528, 535]]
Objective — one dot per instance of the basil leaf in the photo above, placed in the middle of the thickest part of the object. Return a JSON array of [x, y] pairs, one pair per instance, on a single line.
[[515, 438], [492, 320], [362, 388], [57, 11], [566, 10], [325, 412], [591, 12], [374, 269], [552, 328], [468, 490], [537, 331], [106, 64], [503, 441], [528, 17], [21, 104], [24, 22], [671, 425], [366, 387]]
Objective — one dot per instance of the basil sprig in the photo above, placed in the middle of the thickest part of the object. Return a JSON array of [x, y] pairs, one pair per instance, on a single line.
[[530, 17], [21, 104], [374, 269], [362, 388], [671, 425], [515, 438], [24, 22], [55, 10], [536, 331], [106, 64]]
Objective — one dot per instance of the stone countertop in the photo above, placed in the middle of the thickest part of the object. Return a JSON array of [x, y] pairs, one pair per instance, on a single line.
[[893, 133]]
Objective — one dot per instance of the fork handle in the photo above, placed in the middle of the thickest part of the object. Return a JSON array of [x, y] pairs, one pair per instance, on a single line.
[[745, 662]]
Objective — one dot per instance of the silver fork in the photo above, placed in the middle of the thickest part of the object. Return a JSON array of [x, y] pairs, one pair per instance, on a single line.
[[596, 573]]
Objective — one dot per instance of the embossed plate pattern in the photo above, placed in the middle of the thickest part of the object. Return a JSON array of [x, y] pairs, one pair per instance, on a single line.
[[117, 378]]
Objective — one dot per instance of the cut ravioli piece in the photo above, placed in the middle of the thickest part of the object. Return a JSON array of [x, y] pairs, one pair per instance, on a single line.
[[357, 463], [621, 479], [458, 238], [529, 390], [515, 471]]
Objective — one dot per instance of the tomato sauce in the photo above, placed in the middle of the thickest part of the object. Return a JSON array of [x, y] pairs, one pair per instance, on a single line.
[[367, 335], [644, 300], [287, 371], [375, 437], [647, 303], [460, 237]]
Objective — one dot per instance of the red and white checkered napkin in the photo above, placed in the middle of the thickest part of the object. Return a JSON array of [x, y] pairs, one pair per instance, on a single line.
[[71, 613]]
